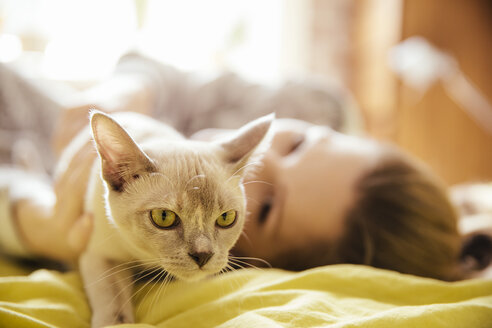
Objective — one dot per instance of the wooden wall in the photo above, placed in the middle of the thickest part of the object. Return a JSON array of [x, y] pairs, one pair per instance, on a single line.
[[354, 49], [436, 128]]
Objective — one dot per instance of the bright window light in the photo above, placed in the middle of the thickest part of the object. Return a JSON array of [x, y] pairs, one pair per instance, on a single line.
[[82, 40], [10, 47], [243, 36]]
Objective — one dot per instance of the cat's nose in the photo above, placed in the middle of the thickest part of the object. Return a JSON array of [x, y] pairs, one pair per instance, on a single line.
[[201, 258]]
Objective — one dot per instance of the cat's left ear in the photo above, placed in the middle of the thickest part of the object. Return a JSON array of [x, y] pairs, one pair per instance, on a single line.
[[122, 160], [241, 145]]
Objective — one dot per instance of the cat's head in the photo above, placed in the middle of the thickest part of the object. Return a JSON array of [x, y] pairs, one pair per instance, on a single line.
[[179, 204]]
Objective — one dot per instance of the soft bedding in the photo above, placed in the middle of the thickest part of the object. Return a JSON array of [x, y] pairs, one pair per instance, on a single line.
[[331, 296]]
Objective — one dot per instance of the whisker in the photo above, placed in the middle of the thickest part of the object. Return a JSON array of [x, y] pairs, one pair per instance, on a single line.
[[232, 283], [243, 264], [156, 278], [165, 177], [162, 287], [134, 276], [195, 177], [242, 168], [251, 259], [106, 274], [257, 181], [254, 200], [237, 266], [243, 233], [133, 283], [229, 268], [224, 270]]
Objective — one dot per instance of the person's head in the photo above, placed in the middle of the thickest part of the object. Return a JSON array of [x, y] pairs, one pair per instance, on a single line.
[[321, 197]]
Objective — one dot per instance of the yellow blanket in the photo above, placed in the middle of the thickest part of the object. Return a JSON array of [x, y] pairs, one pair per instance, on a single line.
[[334, 296]]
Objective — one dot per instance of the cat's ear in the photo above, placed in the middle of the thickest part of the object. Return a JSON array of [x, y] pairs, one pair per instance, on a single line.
[[240, 146], [121, 158]]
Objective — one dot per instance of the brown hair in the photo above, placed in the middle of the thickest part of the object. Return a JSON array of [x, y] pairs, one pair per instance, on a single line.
[[401, 220], [404, 221]]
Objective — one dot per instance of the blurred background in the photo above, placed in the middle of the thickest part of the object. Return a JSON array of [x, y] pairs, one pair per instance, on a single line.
[[420, 70]]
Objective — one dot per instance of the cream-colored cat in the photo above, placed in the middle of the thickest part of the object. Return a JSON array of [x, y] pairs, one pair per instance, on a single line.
[[156, 197]]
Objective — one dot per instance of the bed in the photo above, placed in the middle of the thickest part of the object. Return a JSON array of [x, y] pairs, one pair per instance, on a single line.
[[330, 296]]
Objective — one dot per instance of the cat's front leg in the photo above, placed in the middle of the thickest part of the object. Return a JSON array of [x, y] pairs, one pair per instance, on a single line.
[[109, 289]]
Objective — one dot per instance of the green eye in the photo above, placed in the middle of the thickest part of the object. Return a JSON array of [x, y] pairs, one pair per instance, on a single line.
[[226, 219], [164, 218]]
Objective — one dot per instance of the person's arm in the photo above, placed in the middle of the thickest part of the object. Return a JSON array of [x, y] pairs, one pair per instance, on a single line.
[[38, 219], [28, 226], [191, 101]]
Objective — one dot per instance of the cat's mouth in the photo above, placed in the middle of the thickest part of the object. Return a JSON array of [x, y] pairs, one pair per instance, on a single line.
[[191, 274], [152, 273]]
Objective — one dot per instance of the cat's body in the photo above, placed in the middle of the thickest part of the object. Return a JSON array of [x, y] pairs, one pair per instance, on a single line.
[[162, 200]]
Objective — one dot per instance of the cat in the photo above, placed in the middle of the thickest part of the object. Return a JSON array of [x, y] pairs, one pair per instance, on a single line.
[[159, 198]]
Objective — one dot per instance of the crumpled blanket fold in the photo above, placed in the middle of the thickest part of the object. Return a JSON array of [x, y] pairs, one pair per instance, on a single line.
[[331, 296]]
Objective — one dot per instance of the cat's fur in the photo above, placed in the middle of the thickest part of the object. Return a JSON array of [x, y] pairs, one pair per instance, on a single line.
[[156, 168]]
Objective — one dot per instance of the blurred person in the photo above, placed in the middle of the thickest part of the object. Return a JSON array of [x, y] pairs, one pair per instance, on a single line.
[[320, 197], [186, 101], [27, 120]]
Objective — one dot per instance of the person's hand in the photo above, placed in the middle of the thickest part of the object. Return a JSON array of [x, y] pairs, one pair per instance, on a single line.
[[45, 237], [59, 229]]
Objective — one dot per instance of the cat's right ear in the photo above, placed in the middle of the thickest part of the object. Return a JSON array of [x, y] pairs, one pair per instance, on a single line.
[[122, 160], [243, 143]]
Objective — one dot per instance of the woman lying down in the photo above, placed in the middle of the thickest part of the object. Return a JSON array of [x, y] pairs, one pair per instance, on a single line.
[[318, 197]]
